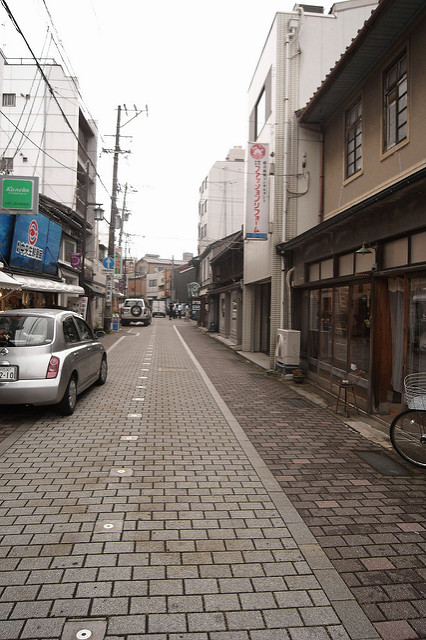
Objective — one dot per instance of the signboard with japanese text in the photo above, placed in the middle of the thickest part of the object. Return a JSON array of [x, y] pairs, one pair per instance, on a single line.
[[117, 261], [35, 244], [7, 223], [19, 194], [257, 193]]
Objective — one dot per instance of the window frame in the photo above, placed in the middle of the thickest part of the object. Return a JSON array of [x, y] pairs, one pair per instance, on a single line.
[[8, 100], [395, 103], [351, 134], [6, 164]]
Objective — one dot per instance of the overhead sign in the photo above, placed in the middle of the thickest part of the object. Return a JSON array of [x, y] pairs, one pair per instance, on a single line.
[[19, 194], [257, 195]]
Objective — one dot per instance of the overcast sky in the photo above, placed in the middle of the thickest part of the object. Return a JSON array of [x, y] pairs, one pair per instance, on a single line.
[[190, 62]]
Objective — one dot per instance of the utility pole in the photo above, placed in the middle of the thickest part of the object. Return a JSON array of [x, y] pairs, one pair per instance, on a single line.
[[114, 212], [111, 237]]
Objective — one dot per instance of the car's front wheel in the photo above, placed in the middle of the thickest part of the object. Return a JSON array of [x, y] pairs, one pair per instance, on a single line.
[[67, 405]]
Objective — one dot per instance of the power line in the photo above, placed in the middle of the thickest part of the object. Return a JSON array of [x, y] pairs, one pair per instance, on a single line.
[[49, 86]]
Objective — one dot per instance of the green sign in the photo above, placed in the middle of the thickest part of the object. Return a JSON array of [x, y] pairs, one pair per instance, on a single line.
[[19, 194]]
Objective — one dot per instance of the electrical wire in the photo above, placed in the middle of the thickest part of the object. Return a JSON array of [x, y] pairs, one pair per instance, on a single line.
[[50, 88]]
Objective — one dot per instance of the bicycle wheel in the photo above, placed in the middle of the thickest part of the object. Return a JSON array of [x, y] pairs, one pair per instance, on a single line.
[[408, 436]]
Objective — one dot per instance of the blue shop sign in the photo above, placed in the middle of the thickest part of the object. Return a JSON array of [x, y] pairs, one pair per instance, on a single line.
[[7, 222], [35, 245]]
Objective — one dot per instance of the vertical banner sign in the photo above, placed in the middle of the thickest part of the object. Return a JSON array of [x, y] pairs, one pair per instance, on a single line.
[[117, 261], [108, 292], [257, 196]]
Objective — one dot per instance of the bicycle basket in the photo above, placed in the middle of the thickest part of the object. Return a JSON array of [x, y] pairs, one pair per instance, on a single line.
[[415, 391]]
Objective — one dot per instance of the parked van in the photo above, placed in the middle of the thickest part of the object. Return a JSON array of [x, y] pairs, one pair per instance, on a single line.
[[159, 308]]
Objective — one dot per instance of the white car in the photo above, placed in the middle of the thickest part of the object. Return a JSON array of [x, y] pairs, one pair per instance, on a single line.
[[135, 310], [48, 356]]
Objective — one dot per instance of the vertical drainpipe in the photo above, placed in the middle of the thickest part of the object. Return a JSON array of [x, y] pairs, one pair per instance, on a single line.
[[278, 294], [292, 33]]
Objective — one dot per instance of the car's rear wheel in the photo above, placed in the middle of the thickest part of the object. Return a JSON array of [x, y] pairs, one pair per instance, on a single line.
[[103, 372], [67, 405]]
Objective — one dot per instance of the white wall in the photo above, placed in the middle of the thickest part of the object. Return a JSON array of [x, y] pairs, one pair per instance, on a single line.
[[223, 196], [50, 148]]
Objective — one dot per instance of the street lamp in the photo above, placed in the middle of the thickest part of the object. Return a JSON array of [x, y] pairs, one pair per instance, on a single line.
[[98, 212]]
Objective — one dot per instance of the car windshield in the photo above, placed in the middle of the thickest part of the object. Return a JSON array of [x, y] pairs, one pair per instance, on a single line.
[[25, 331], [130, 303]]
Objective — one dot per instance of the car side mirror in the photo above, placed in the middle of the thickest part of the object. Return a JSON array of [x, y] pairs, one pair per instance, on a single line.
[[100, 333]]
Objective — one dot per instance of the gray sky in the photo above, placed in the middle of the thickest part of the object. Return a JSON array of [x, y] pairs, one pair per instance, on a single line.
[[190, 61]]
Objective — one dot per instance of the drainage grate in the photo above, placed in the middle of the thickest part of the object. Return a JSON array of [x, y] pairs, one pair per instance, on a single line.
[[383, 463]]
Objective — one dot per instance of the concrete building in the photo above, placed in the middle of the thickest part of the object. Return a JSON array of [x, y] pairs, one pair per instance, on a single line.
[[45, 133], [301, 47], [221, 203]]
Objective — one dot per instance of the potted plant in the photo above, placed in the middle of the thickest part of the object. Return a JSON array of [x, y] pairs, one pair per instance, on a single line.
[[298, 376]]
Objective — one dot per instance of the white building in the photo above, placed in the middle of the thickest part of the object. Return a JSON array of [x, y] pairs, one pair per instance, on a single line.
[[221, 204], [300, 49], [44, 133]]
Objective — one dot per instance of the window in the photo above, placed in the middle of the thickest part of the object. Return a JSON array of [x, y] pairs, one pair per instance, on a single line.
[[68, 247], [260, 113], [70, 331], [6, 165], [262, 109], [9, 100], [353, 129], [396, 103], [84, 329]]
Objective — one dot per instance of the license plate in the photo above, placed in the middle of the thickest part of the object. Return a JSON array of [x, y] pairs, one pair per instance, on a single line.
[[8, 373]]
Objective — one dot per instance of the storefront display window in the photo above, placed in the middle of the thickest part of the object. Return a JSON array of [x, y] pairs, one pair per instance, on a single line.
[[339, 333], [341, 310], [313, 342], [417, 326], [359, 359], [326, 326]]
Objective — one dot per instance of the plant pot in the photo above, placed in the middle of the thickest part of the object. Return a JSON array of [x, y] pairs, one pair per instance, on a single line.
[[299, 379]]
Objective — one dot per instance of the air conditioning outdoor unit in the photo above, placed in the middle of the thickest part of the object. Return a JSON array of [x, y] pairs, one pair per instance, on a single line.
[[287, 350]]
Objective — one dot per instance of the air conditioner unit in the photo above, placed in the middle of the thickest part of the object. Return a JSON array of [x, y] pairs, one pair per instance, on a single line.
[[287, 350]]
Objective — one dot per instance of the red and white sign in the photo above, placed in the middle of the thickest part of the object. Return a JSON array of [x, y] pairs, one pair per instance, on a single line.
[[257, 196], [33, 232]]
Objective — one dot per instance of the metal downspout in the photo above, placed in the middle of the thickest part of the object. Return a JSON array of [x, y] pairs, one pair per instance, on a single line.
[[293, 32]]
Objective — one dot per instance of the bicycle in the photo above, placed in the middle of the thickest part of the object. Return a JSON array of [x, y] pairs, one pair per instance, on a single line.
[[408, 428]]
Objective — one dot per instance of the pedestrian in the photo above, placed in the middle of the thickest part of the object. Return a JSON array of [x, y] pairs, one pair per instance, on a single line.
[[179, 310], [187, 313], [171, 310]]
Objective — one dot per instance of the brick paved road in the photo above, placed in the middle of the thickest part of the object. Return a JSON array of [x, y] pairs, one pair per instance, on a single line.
[[370, 525], [149, 513]]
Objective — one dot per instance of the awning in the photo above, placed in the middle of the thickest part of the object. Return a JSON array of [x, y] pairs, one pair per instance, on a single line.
[[28, 283], [6, 282], [100, 291]]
